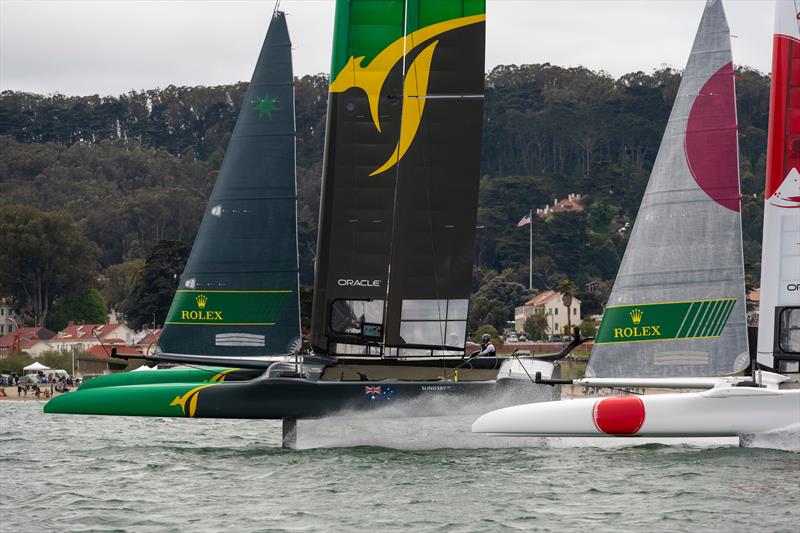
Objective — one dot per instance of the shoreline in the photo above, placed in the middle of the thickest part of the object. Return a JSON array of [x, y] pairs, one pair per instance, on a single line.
[[11, 394]]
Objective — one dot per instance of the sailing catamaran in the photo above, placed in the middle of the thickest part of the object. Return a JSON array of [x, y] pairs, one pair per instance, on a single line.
[[396, 238], [677, 305]]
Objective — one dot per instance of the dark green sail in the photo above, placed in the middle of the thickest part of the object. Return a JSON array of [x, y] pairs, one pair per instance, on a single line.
[[400, 184], [239, 293]]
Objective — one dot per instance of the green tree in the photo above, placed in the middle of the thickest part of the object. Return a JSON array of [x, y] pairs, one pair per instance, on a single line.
[[14, 363], [153, 292], [486, 329], [119, 282], [588, 327], [44, 256], [535, 326], [567, 290], [88, 307]]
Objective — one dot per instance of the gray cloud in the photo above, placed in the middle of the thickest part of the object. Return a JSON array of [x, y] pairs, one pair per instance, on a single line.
[[110, 47]]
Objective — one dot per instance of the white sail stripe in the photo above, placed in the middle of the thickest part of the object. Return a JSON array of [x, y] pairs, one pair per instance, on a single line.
[[696, 314], [712, 317], [713, 324], [688, 312], [237, 343], [726, 311], [702, 320], [240, 339], [724, 318]]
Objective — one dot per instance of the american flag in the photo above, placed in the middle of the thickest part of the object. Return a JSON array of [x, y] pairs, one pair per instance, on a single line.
[[372, 390], [524, 221]]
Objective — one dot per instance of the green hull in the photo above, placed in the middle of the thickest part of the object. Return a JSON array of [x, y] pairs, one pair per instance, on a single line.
[[173, 375], [171, 399], [274, 397]]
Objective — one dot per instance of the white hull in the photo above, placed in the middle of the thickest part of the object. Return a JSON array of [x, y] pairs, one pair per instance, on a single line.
[[724, 411]]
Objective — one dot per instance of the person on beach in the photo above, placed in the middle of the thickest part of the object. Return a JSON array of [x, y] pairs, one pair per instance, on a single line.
[[487, 348]]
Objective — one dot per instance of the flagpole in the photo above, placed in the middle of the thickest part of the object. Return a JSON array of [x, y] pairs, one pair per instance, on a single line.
[[530, 262]]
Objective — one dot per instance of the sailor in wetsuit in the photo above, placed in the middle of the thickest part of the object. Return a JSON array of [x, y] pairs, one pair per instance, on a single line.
[[487, 348]]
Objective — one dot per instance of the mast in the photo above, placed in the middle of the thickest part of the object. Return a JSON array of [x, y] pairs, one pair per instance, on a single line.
[[677, 306], [780, 260], [238, 295], [400, 178]]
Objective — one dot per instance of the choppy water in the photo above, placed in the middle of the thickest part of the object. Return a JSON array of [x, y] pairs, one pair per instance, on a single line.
[[69, 473]]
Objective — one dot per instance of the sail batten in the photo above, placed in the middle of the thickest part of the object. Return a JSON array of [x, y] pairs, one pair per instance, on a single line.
[[242, 275], [677, 306]]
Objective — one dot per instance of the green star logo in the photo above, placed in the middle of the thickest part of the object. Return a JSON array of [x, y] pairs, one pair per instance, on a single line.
[[265, 105]]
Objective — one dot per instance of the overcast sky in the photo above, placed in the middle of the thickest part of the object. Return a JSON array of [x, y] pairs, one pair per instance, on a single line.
[[111, 47]]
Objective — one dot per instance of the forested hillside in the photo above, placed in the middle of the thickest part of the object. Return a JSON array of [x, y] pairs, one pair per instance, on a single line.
[[135, 170]]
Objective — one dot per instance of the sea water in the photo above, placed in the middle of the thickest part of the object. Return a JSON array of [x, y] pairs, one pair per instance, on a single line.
[[378, 473]]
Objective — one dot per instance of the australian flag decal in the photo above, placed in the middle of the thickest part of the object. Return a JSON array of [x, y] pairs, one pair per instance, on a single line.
[[380, 392]]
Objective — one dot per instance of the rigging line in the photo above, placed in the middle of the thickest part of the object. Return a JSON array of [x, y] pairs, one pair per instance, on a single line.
[[523, 368], [394, 197], [442, 322]]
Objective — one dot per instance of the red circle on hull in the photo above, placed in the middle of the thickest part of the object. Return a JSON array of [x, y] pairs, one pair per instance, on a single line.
[[619, 416]]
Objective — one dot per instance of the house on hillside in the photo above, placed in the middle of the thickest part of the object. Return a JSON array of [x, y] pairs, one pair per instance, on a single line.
[[571, 204], [29, 340], [549, 303], [81, 337]]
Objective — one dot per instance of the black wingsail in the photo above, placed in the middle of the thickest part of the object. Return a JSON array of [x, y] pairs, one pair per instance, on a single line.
[[400, 185], [238, 295]]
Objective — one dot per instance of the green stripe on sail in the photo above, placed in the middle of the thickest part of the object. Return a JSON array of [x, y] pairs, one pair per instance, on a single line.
[[227, 308], [665, 321]]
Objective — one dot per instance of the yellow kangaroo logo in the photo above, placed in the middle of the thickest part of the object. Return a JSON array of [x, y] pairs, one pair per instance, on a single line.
[[371, 78], [191, 398]]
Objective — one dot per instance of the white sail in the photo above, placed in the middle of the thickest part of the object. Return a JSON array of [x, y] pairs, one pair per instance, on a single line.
[[677, 306]]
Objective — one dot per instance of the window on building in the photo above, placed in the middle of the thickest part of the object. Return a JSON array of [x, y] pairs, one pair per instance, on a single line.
[[555, 312], [575, 311]]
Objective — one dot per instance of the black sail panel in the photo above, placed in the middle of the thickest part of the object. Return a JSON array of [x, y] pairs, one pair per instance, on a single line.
[[238, 295], [437, 192], [401, 174], [357, 208]]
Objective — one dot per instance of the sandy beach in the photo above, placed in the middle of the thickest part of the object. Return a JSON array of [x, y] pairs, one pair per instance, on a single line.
[[11, 394]]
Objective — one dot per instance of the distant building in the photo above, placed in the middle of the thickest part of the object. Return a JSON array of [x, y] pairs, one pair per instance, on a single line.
[[29, 340], [595, 286], [81, 337], [8, 316], [572, 204], [549, 303], [146, 340], [98, 360]]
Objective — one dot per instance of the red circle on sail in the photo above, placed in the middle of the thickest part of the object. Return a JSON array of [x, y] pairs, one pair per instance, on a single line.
[[619, 416], [711, 139]]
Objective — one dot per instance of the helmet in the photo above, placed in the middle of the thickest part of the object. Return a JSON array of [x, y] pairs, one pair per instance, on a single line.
[[485, 337]]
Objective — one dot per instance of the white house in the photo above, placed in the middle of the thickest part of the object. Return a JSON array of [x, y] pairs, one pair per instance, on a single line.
[[549, 303], [81, 337]]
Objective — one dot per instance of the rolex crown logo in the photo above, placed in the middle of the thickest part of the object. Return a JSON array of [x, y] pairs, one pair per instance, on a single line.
[[636, 315], [201, 301]]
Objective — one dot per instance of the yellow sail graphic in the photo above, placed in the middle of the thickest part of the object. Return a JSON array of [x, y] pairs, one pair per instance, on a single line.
[[371, 78], [415, 88]]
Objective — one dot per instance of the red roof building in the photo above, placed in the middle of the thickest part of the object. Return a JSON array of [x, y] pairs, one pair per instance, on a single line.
[[22, 339], [572, 204]]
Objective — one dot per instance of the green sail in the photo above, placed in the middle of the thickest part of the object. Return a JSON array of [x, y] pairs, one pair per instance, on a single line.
[[238, 295]]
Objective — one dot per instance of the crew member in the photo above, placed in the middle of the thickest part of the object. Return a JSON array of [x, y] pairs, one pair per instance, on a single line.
[[487, 348]]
